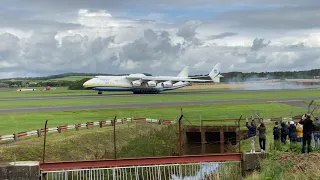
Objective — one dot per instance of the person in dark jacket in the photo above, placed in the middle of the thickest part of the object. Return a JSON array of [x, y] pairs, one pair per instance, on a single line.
[[276, 132], [308, 127], [292, 132], [262, 136], [284, 132], [252, 131]]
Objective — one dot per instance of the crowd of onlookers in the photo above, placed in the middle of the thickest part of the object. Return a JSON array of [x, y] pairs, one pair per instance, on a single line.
[[300, 132]]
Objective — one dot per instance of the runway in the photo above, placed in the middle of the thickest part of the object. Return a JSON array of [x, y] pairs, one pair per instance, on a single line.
[[152, 104], [129, 95]]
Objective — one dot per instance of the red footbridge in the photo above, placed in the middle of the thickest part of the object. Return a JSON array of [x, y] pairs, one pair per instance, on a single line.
[[171, 167]]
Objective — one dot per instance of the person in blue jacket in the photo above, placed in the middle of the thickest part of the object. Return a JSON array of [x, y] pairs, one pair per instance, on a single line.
[[252, 131]]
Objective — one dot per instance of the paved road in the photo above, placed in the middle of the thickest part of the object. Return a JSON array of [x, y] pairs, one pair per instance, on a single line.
[[129, 95], [101, 106]]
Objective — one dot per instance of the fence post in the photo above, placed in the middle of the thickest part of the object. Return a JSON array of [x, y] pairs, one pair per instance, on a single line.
[[59, 129], [44, 141], [39, 132], [114, 137], [77, 127], [15, 136], [100, 124], [87, 125]]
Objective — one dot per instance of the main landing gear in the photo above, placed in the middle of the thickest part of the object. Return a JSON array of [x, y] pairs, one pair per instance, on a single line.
[[146, 92], [100, 92]]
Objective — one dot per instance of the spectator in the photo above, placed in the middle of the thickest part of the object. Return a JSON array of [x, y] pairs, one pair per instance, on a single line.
[[252, 130], [316, 132], [284, 132], [292, 132], [308, 126], [299, 128], [276, 132], [276, 135], [262, 136]]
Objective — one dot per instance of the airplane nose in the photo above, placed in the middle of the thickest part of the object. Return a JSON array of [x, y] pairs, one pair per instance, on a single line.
[[86, 84]]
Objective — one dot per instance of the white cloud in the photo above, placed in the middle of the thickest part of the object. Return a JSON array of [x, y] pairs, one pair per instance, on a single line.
[[106, 40]]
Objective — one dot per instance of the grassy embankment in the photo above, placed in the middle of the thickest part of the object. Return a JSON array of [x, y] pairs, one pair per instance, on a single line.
[[160, 98], [285, 162], [133, 139]]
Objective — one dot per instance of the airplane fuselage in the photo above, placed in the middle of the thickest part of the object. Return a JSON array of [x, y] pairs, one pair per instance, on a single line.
[[140, 83], [120, 83]]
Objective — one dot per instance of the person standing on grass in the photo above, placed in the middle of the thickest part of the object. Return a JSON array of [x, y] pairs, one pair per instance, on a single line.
[[276, 134], [308, 127], [284, 132], [299, 128], [316, 132], [276, 131], [262, 137], [292, 132], [252, 131]]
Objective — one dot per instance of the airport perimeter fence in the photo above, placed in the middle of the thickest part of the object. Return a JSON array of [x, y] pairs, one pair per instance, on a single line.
[[190, 118], [78, 126]]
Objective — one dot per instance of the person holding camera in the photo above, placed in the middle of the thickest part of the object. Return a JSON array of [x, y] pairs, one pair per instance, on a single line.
[[252, 131], [308, 127]]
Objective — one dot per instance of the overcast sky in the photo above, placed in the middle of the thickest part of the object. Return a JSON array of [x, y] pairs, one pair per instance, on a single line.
[[45, 37]]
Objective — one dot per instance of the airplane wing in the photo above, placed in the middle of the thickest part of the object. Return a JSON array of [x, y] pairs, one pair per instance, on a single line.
[[154, 78], [183, 76]]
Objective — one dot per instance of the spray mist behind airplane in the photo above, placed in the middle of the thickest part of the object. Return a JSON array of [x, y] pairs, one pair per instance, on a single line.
[[142, 84]]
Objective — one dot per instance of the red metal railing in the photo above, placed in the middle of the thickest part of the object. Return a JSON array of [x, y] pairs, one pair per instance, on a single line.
[[141, 161]]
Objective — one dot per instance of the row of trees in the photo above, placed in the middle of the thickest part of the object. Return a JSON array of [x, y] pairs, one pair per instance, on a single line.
[[73, 85], [240, 76]]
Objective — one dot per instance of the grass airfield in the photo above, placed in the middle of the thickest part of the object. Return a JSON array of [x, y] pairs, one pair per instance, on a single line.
[[19, 121]]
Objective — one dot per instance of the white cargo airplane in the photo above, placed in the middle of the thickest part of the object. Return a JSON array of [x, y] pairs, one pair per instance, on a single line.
[[142, 84]]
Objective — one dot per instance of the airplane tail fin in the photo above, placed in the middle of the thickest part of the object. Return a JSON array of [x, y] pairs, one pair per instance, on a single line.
[[215, 72], [184, 72]]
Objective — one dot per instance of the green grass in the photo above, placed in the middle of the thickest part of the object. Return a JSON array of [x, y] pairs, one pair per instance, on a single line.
[[17, 122], [160, 98]]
